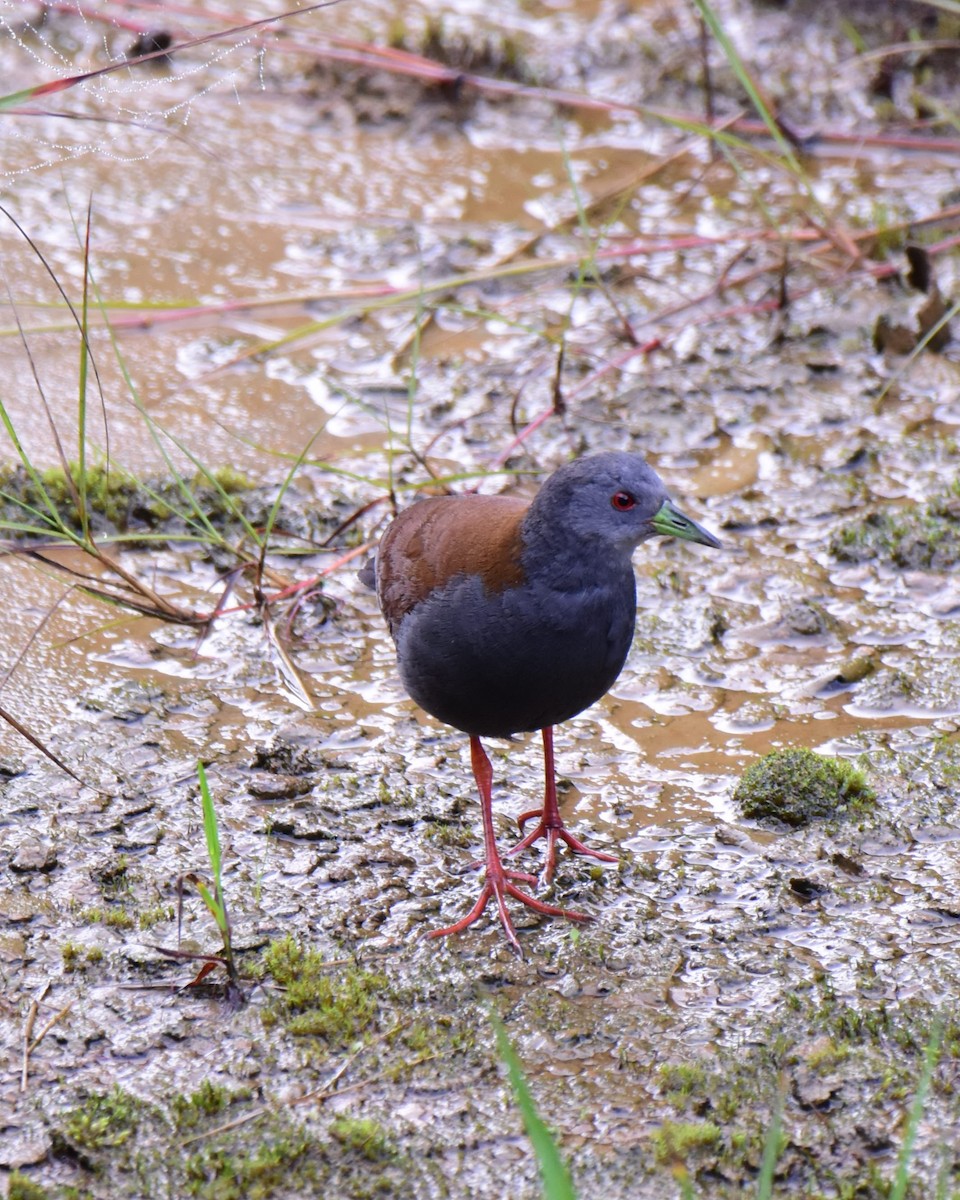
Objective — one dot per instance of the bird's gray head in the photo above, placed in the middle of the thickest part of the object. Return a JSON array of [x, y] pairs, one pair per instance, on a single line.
[[613, 499]]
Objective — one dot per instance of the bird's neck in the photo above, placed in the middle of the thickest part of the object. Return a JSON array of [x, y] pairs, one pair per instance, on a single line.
[[567, 561]]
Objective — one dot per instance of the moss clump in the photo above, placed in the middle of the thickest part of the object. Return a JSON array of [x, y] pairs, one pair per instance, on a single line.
[[21, 1187], [108, 493], [115, 501], [76, 958], [499, 55], [231, 481], [681, 1082], [677, 1141], [280, 1166], [155, 915], [450, 835], [105, 1121], [797, 786], [364, 1137], [209, 1100], [915, 538], [337, 1006], [113, 918]]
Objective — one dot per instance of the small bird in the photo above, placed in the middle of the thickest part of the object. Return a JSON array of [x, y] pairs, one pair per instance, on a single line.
[[513, 615]]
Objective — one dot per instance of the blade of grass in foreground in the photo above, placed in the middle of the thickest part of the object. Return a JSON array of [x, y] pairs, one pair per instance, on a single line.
[[216, 904], [771, 1152], [901, 1180], [212, 835], [557, 1184], [748, 85]]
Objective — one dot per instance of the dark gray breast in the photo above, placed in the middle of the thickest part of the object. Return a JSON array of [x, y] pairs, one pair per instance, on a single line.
[[520, 659]]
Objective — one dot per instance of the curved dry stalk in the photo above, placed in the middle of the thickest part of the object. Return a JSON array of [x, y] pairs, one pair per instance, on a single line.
[[14, 99], [35, 633], [139, 587], [32, 738]]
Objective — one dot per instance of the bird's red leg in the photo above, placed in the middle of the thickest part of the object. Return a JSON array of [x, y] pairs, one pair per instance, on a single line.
[[550, 825], [497, 879]]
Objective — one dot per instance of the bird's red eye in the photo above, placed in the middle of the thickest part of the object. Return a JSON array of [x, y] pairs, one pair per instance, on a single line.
[[622, 501]]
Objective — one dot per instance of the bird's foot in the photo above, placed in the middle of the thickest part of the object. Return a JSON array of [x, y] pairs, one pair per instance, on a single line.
[[498, 885], [554, 831]]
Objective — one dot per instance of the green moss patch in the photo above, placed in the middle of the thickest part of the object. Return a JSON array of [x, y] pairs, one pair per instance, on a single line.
[[105, 1122], [676, 1142], [797, 786], [335, 1003], [682, 1083], [22, 1187], [202, 1106], [364, 1137], [499, 55], [280, 1163], [116, 501], [118, 504], [918, 537]]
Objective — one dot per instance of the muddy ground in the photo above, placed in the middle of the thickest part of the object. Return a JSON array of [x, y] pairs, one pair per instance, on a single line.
[[301, 255]]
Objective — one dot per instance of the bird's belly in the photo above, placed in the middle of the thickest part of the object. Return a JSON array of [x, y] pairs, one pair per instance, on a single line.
[[494, 666]]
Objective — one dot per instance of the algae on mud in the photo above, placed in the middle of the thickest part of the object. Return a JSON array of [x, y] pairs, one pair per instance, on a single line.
[[797, 786], [912, 537]]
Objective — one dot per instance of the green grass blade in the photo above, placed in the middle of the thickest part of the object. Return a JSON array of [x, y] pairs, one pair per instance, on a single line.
[[56, 521], [216, 902], [901, 1179], [211, 833], [918, 349], [199, 520], [48, 524], [743, 76], [771, 1152], [215, 909], [282, 491], [422, 314], [557, 1184]]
